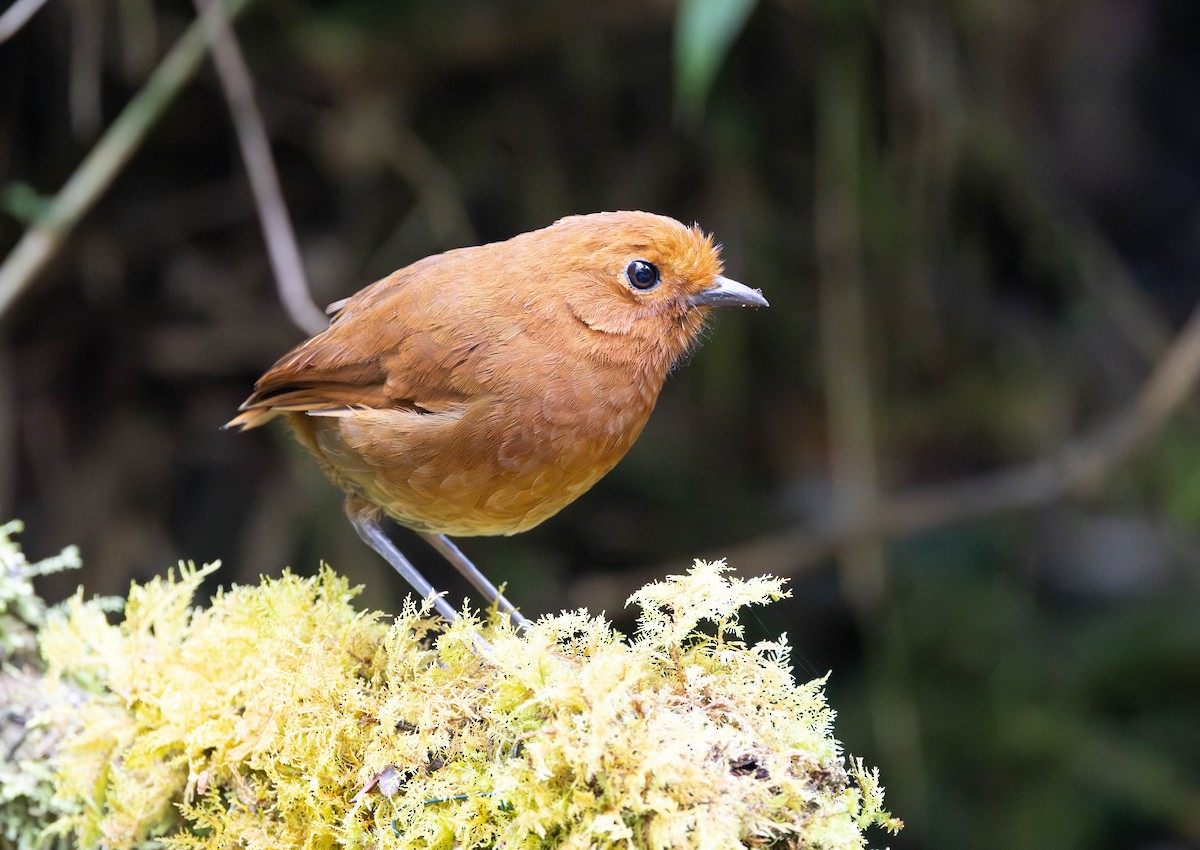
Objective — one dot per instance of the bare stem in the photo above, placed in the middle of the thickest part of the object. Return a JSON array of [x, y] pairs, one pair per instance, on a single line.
[[16, 16], [255, 146], [42, 240], [841, 300]]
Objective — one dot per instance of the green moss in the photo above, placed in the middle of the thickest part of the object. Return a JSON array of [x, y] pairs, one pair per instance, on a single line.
[[280, 716]]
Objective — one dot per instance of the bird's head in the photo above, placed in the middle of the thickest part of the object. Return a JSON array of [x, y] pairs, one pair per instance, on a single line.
[[641, 283]]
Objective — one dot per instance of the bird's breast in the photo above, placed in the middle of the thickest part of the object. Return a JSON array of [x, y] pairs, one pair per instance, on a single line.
[[499, 463]]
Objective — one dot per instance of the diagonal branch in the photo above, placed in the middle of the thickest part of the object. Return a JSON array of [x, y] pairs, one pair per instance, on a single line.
[[16, 16], [43, 239], [255, 146], [1080, 464]]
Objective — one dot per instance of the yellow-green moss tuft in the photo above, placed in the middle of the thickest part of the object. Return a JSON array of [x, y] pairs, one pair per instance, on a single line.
[[280, 716]]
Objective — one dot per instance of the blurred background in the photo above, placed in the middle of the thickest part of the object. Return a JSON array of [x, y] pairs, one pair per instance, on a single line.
[[978, 225]]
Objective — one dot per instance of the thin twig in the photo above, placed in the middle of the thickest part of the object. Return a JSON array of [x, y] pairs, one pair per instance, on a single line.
[[16, 16], [1079, 465], [41, 241], [260, 168]]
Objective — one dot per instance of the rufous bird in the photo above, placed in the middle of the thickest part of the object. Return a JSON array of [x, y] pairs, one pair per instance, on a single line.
[[480, 391]]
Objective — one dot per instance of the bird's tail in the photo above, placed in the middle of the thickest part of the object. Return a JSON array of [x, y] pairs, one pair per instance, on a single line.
[[251, 418]]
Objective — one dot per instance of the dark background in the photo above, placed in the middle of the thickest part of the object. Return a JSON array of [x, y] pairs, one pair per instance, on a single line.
[[978, 225]]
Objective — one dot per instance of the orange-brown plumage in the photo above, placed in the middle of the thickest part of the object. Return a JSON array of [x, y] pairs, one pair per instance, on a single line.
[[481, 390]]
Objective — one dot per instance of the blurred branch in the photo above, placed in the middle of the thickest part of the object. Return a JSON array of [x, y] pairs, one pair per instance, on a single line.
[[841, 303], [260, 168], [371, 131], [85, 71], [16, 16], [435, 185], [41, 242], [138, 37], [844, 162], [1038, 200], [1080, 464], [1103, 274]]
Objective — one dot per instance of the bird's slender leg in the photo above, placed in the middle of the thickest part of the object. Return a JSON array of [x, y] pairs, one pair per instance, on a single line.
[[470, 572], [369, 530]]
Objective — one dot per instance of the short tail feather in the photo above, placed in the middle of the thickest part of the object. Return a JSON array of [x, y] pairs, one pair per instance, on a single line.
[[251, 418]]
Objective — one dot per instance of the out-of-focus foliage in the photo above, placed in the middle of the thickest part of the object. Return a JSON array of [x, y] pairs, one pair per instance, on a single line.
[[1018, 200], [704, 32]]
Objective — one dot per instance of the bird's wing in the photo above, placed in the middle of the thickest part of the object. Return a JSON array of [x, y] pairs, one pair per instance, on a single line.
[[394, 345]]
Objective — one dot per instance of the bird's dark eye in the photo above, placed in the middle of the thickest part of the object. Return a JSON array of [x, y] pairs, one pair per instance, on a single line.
[[642, 274]]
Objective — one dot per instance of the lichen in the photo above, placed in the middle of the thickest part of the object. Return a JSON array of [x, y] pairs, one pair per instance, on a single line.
[[26, 775], [281, 716]]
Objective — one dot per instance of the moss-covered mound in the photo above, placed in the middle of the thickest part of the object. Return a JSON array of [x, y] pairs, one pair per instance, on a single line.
[[281, 716]]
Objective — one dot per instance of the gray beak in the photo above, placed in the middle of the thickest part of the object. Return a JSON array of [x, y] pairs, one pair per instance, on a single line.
[[727, 293]]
